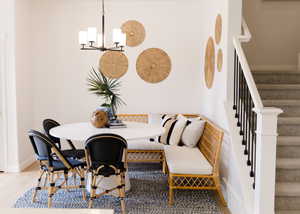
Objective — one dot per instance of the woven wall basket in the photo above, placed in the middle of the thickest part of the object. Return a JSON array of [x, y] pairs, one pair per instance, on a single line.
[[153, 65], [135, 33], [113, 64], [209, 68], [218, 29]]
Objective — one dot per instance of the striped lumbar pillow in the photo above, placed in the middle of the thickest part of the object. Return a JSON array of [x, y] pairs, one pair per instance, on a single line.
[[168, 125], [176, 131]]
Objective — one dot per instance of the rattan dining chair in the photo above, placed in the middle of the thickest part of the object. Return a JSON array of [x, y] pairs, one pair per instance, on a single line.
[[106, 155], [73, 152], [53, 164]]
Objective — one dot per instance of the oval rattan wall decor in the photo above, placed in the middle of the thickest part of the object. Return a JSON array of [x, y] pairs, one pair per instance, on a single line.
[[209, 68], [113, 64], [153, 65], [135, 32], [220, 60], [218, 29]]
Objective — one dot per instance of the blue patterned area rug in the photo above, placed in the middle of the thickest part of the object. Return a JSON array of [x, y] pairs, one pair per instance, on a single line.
[[148, 194]]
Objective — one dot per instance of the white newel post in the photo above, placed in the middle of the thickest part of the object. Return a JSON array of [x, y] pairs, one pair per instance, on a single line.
[[265, 160]]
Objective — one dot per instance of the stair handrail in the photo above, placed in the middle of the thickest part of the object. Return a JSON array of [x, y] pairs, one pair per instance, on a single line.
[[246, 35], [237, 42]]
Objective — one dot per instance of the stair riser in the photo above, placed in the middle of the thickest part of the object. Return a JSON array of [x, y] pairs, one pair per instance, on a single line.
[[279, 94], [288, 151], [277, 78], [287, 203], [289, 130], [288, 175]]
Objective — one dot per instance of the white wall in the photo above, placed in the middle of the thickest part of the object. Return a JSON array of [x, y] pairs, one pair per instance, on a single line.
[[7, 20], [24, 79], [60, 68], [276, 34]]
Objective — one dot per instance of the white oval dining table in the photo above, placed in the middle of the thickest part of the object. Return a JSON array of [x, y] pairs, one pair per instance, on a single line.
[[82, 131]]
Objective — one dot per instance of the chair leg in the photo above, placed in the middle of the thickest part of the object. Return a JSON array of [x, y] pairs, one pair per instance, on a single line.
[[122, 192], [222, 199], [51, 189], [82, 184], [171, 191], [38, 187], [93, 191], [66, 177], [219, 191]]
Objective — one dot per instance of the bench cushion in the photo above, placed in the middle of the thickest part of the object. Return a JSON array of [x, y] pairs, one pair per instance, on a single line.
[[185, 160], [144, 144]]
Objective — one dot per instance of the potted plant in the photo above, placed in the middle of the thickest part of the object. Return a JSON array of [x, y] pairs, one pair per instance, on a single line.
[[106, 88]]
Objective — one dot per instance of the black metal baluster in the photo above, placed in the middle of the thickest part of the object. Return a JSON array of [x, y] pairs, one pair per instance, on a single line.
[[244, 110], [240, 95], [252, 140], [235, 77], [237, 91], [255, 143], [249, 128], [246, 119], [241, 99]]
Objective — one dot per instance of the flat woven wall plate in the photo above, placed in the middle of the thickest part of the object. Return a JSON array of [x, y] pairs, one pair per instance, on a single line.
[[113, 64], [153, 65], [209, 68], [220, 60], [218, 29], [135, 33]]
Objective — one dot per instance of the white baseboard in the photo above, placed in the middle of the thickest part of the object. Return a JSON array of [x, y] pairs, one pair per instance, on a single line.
[[274, 68], [21, 166]]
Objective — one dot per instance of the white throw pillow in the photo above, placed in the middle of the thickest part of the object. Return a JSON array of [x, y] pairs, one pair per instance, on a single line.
[[176, 131], [192, 133]]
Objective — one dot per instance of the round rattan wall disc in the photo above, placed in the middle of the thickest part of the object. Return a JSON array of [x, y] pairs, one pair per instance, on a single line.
[[153, 65], [218, 29], [113, 64], [220, 60], [209, 68], [135, 33]]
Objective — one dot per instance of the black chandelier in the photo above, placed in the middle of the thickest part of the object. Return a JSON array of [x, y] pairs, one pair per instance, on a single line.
[[90, 40]]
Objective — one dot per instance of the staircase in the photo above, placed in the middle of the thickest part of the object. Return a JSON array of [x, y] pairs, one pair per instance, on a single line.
[[282, 90]]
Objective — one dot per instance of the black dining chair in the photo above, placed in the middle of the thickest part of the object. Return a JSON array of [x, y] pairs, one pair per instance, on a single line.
[[73, 152], [57, 166], [106, 155]]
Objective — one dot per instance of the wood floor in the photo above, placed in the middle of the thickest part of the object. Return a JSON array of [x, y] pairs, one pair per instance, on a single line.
[[13, 185]]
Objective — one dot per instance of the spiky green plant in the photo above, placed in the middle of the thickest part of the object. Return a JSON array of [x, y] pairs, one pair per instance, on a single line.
[[106, 88]]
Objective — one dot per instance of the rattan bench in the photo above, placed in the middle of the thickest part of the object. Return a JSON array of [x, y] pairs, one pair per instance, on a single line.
[[155, 154], [197, 168]]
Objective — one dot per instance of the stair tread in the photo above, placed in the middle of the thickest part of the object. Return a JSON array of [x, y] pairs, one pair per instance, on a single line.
[[275, 72], [288, 163], [288, 189], [279, 86], [292, 102], [287, 211], [289, 120], [288, 141]]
